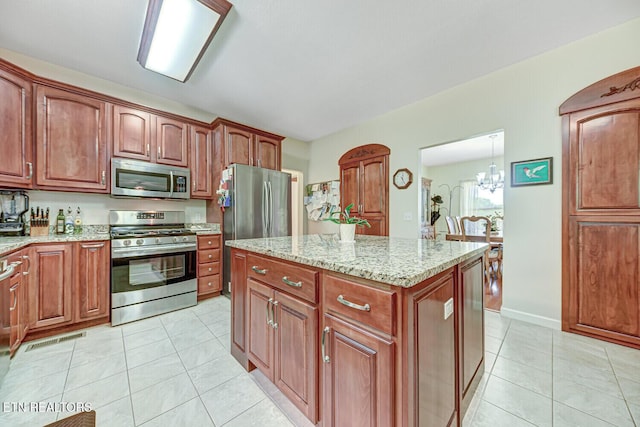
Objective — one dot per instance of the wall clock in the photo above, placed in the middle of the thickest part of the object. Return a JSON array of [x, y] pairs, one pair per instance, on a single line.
[[402, 178]]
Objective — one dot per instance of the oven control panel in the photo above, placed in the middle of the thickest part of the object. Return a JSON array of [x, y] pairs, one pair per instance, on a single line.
[[150, 215]]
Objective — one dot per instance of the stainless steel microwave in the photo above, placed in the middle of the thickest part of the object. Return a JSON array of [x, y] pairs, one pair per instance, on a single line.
[[141, 179]]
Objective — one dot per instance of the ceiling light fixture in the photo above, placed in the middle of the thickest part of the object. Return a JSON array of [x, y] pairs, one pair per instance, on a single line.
[[495, 178], [176, 34]]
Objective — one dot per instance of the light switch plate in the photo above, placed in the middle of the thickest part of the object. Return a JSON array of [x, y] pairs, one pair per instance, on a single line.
[[448, 308]]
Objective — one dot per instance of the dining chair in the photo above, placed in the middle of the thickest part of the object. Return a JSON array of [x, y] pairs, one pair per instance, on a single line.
[[480, 226], [451, 225]]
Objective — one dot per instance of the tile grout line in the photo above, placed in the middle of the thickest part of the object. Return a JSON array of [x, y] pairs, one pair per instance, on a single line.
[[624, 397]]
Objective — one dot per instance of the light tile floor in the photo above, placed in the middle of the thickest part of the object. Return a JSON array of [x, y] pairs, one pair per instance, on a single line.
[[176, 370]]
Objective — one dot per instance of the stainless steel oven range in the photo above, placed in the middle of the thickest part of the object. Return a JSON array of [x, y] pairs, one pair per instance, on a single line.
[[153, 264]]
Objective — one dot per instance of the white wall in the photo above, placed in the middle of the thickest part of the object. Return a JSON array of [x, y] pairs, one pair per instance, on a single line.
[[522, 99]]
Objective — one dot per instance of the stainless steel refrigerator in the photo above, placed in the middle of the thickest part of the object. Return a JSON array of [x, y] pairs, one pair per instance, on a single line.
[[260, 206]]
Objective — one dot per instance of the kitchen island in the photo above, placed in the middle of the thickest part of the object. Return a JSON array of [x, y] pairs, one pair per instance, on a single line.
[[384, 331]]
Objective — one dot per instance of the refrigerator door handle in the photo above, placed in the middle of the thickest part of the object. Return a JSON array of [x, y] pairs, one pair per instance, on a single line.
[[265, 231], [270, 209]]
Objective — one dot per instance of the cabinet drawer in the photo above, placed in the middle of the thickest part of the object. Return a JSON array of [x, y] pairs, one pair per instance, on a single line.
[[208, 269], [209, 255], [368, 305], [209, 242], [209, 284], [298, 281]]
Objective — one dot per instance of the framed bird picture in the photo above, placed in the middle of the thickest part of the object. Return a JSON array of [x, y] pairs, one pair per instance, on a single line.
[[532, 172]]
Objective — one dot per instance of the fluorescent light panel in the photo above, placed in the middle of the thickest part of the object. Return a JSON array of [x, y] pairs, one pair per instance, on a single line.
[[182, 31]]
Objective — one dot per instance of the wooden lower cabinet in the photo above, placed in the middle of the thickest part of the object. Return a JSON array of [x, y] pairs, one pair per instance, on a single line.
[[239, 305], [358, 376], [50, 293], [91, 277], [69, 285], [209, 262], [18, 298], [282, 343]]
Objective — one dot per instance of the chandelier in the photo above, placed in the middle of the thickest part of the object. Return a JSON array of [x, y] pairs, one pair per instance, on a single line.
[[494, 179]]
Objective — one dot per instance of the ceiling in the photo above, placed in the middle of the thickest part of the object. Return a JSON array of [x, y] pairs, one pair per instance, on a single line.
[[307, 69], [478, 147]]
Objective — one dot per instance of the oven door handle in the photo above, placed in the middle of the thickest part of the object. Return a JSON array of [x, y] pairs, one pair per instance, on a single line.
[[171, 186], [156, 250]]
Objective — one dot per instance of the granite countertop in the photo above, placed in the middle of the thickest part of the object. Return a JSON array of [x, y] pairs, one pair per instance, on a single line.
[[10, 244], [392, 260]]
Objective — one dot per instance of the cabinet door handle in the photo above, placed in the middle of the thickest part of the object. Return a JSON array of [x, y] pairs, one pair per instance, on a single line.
[[325, 331], [104, 177], [8, 272], [269, 321], [30, 166], [274, 324], [26, 257], [286, 280], [92, 245], [258, 270], [343, 301], [148, 149], [12, 290], [159, 153]]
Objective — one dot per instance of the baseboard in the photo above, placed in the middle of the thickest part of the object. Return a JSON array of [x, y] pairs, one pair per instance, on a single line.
[[531, 318]]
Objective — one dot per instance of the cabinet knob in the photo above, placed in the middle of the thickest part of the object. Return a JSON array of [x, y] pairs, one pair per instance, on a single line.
[[210, 269], [209, 242], [210, 256]]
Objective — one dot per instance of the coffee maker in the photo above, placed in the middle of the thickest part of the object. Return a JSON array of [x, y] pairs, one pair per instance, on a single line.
[[14, 203]]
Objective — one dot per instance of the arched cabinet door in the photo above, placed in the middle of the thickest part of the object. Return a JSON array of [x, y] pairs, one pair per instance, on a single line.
[[601, 196], [364, 181]]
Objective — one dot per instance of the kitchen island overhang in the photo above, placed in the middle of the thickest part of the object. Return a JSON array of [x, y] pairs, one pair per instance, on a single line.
[[392, 325]]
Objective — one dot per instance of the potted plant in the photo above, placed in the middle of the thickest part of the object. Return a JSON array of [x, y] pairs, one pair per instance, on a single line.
[[347, 223]]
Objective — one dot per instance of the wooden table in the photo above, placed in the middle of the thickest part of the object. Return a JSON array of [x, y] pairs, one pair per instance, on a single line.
[[495, 238]]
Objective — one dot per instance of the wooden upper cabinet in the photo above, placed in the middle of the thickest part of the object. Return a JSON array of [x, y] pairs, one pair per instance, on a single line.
[[16, 143], [131, 133], [71, 141], [238, 146], [267, 152], [364, 181], [247, 146], [141, 135], [172, 145], [201, 162]]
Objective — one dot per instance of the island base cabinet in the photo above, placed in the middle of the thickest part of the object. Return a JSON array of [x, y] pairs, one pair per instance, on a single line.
[[435, 367], [470, 330], [358, 376], [282, 344]]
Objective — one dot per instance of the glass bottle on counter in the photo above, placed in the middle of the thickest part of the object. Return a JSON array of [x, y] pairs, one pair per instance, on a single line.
[[77, 224], [68, 222], [60, 222]]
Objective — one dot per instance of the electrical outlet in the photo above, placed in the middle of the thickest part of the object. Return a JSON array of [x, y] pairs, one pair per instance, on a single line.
[[448, 308], [408, 216]]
